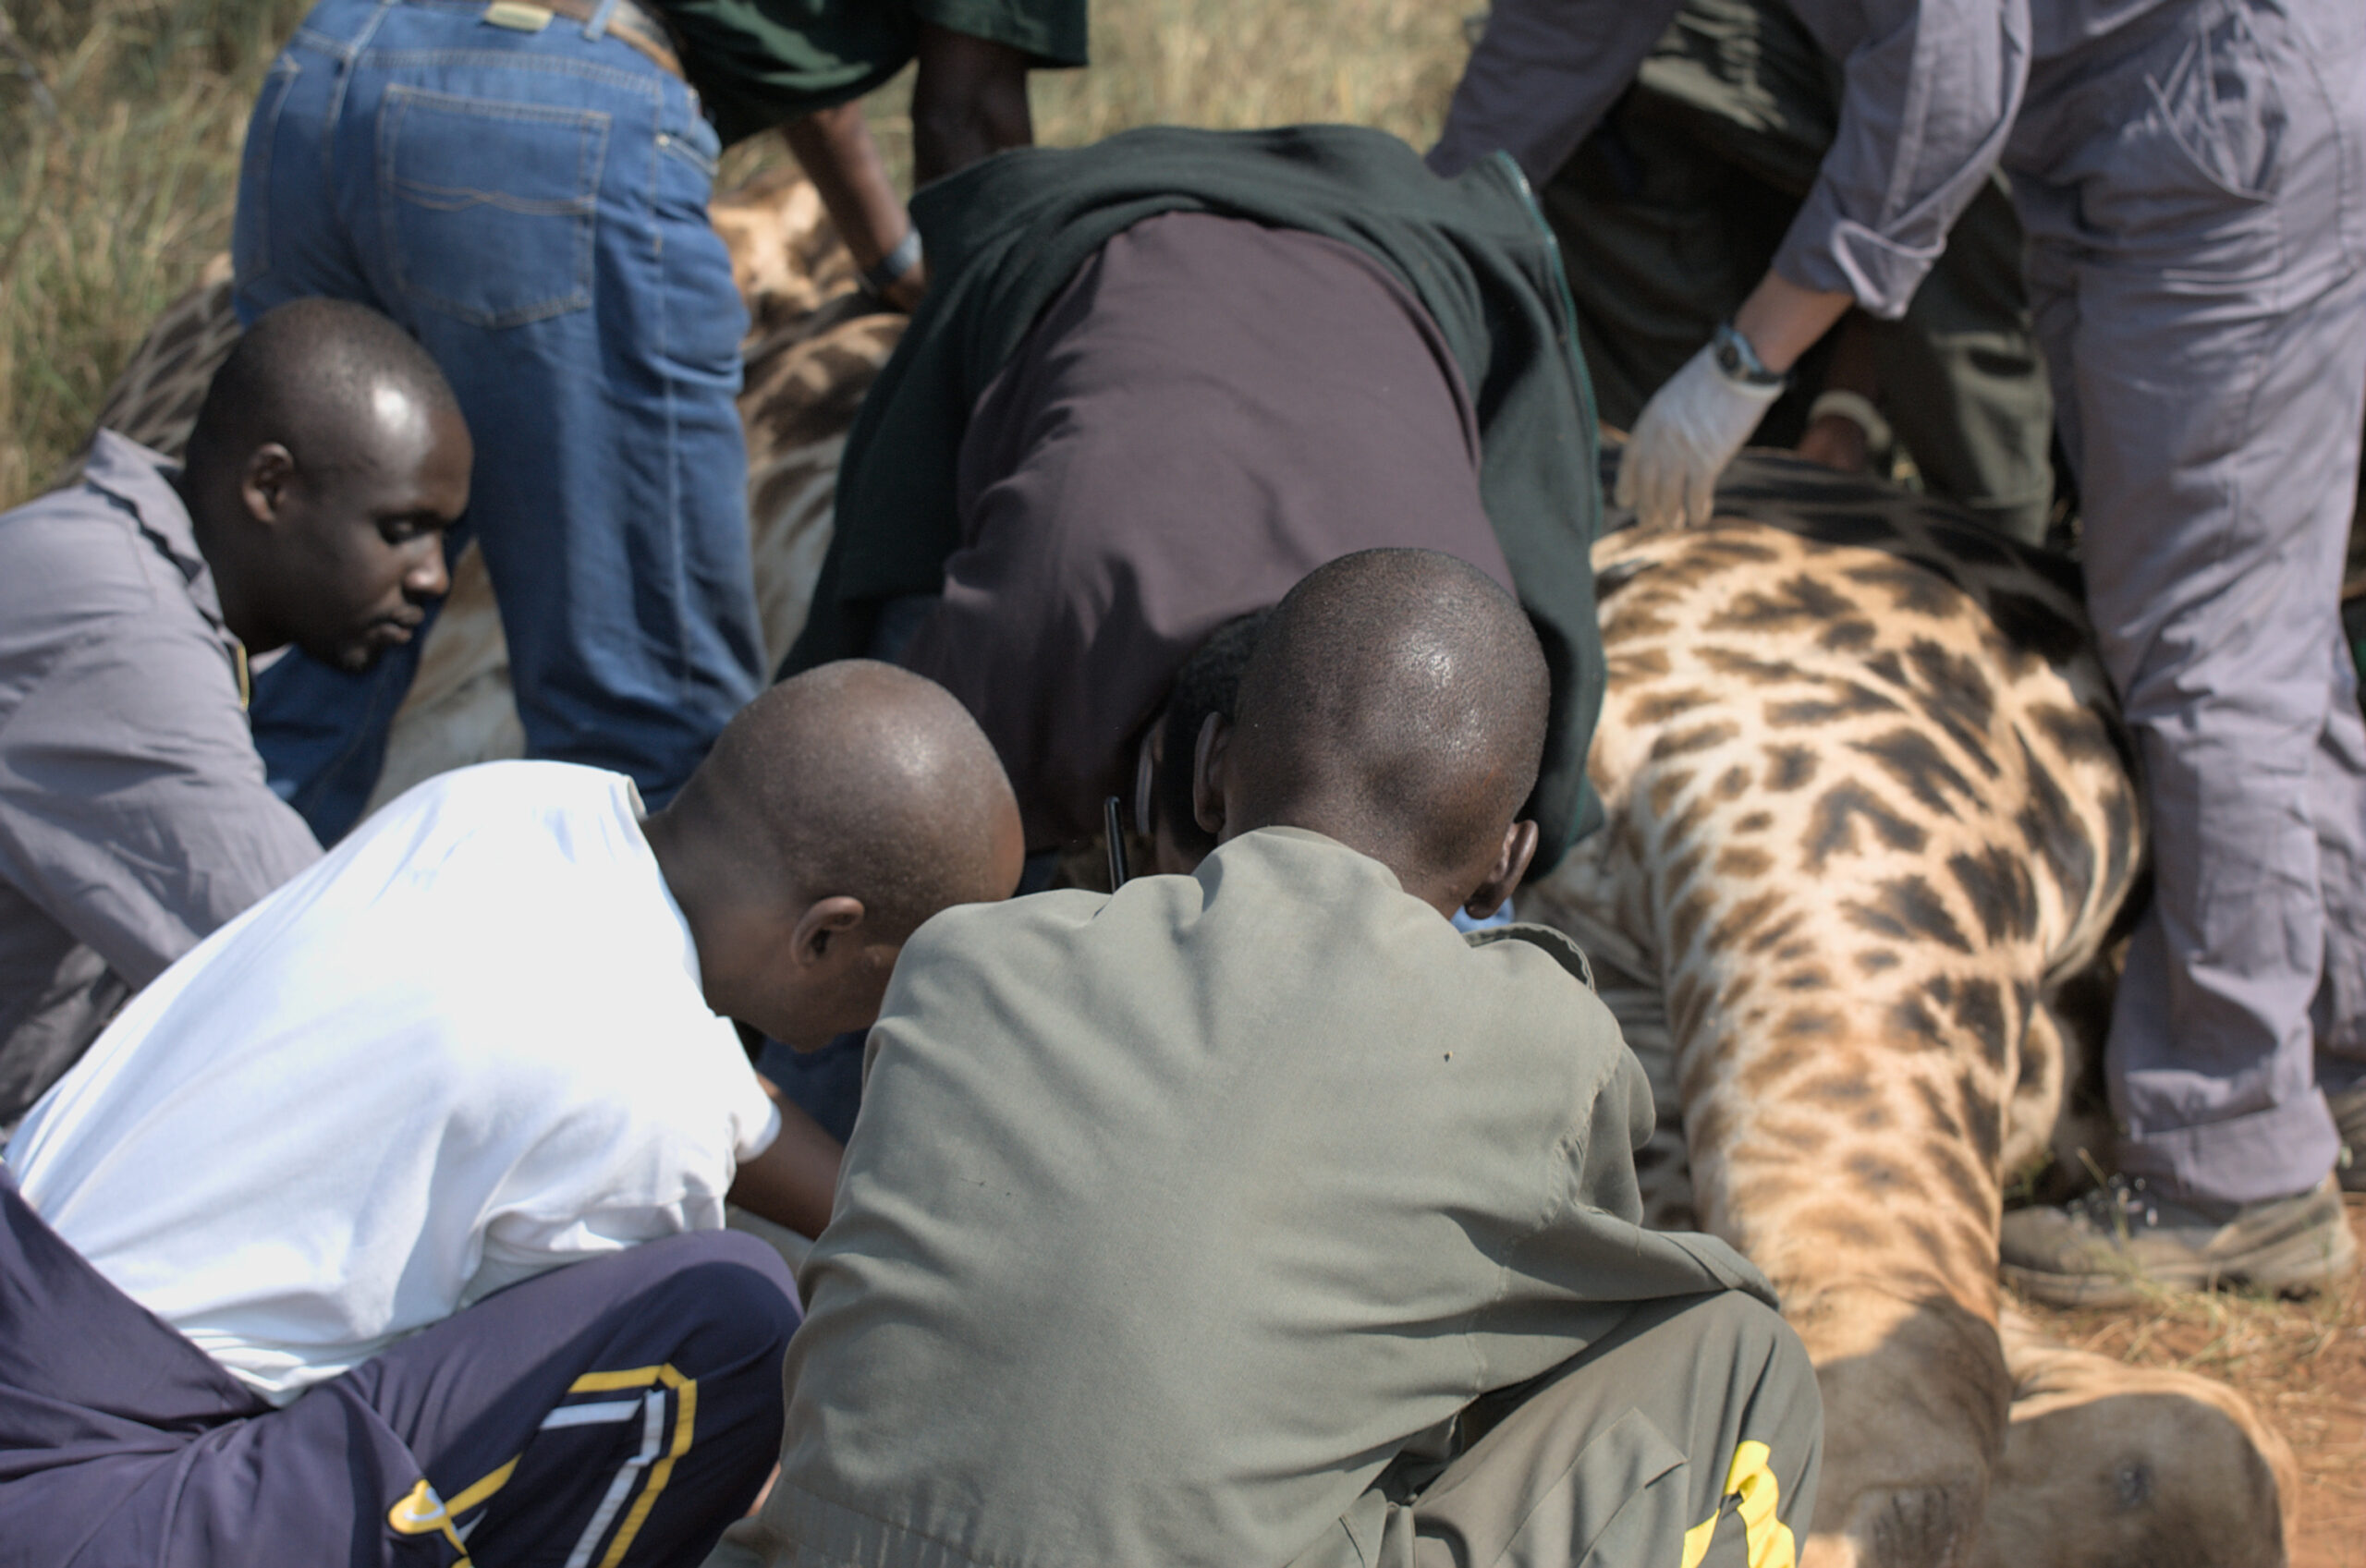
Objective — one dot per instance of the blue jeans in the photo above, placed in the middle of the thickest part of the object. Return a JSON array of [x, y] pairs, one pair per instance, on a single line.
[[531, 206]]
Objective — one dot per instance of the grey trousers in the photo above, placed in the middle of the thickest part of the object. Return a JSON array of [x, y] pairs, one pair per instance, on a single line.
[[2197, 259], [1691, 1436], [1670, 212]]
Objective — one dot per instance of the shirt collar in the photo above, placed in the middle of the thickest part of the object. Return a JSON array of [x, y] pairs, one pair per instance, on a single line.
[[141, 481]]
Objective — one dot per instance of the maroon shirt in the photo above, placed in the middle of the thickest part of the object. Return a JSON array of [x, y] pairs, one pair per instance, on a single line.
[[1209, 412]]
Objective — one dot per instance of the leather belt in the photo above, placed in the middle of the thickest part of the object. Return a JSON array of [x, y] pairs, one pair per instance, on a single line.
[[629, 23]]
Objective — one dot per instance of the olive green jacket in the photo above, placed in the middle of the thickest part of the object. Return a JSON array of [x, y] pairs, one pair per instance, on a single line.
[[1172, 1216]]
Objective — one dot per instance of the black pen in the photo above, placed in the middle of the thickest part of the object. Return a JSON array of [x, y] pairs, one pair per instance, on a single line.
[[1110, 824]]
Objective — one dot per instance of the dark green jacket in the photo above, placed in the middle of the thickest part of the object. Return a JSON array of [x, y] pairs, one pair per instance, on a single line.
[[1005, 235]]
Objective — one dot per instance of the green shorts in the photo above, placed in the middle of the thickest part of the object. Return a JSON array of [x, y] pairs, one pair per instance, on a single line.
[[762, 63]]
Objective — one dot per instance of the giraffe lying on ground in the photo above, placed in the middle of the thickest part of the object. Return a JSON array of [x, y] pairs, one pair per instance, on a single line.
[[1871, 820], [1868, 820]]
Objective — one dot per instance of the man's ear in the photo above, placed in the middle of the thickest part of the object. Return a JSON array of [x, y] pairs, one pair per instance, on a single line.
[[824, 919], [263, 483], [1207, 772], [1511, 864]]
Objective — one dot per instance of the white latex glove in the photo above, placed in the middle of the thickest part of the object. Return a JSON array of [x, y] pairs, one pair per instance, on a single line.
[[1688, 431]]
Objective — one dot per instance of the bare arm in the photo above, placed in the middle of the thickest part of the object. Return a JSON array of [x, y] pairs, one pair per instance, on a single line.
[[1837, 440], [793, 1182], [968, 101], [1783, 320], [837, 154], [1693, 425]]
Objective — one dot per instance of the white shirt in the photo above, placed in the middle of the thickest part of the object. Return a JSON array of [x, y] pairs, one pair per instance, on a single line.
[[467, 1047]]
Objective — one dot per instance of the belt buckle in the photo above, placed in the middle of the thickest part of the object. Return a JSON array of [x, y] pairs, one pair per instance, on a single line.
[[516, 16]]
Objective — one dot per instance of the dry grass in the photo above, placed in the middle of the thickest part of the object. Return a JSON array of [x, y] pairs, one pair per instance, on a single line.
[[121, 121], [1384, 63]]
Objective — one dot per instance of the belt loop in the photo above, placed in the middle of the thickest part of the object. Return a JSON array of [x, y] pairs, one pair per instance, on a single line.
[[598, 26]]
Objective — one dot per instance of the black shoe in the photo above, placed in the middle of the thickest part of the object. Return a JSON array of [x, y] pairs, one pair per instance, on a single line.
[[2122, 1242]]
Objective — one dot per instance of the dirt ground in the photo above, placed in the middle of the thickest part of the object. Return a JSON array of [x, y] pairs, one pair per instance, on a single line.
[[2304, 1361]]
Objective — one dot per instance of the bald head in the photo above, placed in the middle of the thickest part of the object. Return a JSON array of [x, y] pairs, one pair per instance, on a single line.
[[316, 375], [862, 779], [1396, 701], [328, 460], [836, 812]]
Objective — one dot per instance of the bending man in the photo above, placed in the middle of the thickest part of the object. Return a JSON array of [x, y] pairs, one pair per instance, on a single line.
[[1160, 379]]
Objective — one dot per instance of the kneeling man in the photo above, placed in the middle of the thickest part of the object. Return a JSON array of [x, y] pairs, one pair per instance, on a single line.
[[327, 462], [1258, 1218], [284, 1278]]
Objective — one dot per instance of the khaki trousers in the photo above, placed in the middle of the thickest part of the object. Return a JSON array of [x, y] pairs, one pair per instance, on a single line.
[[1690, 1436], [1687, 1437]]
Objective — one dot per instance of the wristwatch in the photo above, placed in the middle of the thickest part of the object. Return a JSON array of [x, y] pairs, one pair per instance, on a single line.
[[892, 268], [1739, 361]]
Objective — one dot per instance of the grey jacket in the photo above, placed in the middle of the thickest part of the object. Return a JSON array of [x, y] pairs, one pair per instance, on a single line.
[[1172, 1216], [134, 818]]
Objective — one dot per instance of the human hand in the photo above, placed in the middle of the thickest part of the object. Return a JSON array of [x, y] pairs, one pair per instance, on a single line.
[[1836, 441], [1688, 431], [1846, 429]]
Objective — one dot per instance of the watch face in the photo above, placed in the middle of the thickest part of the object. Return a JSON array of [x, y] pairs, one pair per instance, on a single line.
[[1734, 358]]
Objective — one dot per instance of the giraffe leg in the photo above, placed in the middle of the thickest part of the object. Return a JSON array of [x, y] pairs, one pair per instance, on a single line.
[[1914, 1397]]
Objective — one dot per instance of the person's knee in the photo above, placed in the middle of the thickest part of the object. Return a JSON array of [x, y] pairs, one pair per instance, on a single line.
[[751, 1285], [732, 1294], [1737, 1323], [1756, 1418], [1773, 1379]]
